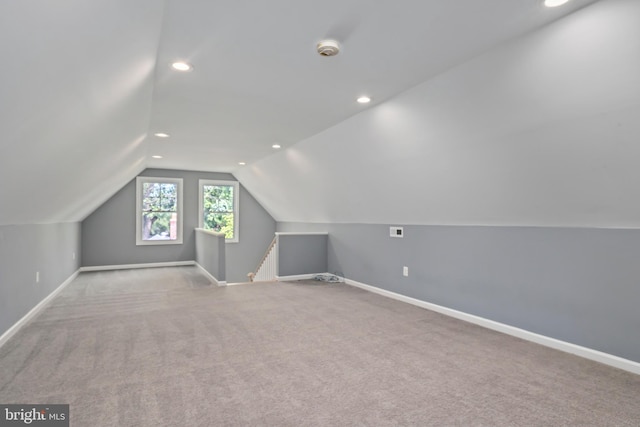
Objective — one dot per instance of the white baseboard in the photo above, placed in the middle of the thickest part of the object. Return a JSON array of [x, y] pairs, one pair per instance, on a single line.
[[296, 277], [211, 276], [131, 266], [35, 310], [587, 353]]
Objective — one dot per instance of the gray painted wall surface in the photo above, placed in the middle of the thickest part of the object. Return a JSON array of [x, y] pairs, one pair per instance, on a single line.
[[302, 254], [108, 234], [578, 285], [210, 253], [25, 250]]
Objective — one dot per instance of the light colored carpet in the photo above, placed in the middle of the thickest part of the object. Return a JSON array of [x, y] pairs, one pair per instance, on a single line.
[[162, 347]]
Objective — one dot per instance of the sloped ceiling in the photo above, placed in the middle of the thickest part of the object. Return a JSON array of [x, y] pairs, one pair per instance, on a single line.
[[77, 83], [86, 84], [542, 131]]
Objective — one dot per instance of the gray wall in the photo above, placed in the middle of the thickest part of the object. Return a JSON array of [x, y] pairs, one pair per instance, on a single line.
[[210, 253], [108, 234], [25, 250], [578, 285], [302, 254]]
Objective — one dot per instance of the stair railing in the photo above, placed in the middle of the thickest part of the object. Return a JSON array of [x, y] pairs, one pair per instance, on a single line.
[[266, 270]]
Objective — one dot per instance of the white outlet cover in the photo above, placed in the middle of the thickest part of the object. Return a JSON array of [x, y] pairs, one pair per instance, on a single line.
[[405, 271], [395, 231]]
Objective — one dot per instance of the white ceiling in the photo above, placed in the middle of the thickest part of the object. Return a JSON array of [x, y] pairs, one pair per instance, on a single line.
[[85, 84], [540, 131], [258, 80]]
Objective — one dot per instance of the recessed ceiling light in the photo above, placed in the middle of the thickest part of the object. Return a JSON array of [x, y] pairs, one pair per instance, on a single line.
[[364, 100], [182, 66], [241, 163], [554, 3], [162, 135], [157, 157], [276, 146]]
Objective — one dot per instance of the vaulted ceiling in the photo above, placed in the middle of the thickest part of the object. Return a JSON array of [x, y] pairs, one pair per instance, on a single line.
[[85, 85]]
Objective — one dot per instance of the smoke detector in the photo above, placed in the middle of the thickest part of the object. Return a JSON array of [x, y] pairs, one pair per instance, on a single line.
[[328, 48]]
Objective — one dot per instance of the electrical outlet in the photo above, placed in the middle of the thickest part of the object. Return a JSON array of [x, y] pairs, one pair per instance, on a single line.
[[405, 271], [73, 256], [396, 232], [37, 277]]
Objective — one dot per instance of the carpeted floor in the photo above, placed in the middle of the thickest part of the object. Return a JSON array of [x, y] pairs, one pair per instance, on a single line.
[[162, 347]]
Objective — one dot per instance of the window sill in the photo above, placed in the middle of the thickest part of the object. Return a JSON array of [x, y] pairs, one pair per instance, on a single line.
[[158, 242]]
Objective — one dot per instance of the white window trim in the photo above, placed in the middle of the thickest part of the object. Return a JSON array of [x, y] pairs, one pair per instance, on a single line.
[[139, 182], [236, 205]]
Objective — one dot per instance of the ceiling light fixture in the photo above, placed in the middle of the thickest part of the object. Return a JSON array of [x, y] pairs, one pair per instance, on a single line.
[[162, 135], [364, 100], [241, 163], [182, 66], [276, 146], [554, 3], [157, 157]]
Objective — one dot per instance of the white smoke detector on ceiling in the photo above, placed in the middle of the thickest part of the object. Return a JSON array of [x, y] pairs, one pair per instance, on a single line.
[[328, 48]]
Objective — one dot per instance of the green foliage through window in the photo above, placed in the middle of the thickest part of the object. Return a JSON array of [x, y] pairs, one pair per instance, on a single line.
[[218, 209], [159, 210]]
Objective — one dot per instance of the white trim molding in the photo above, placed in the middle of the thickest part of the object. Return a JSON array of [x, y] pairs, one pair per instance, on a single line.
[[585, 352], [213, 233], [296, 277], [35, 310], [132, 266], [301, 233], [211, 276]]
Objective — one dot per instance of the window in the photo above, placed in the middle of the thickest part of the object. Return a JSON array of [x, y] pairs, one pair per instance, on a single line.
[[219, 207], [158, 211]]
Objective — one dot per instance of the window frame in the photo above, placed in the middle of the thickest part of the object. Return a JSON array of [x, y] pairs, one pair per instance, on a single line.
[[140, 181], [236, 205]]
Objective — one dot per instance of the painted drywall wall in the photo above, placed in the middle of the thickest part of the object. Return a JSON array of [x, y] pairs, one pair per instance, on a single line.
[[27, 249], [302, 254], [108, 234], [574, 284], [211, 253], [540, 131]]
